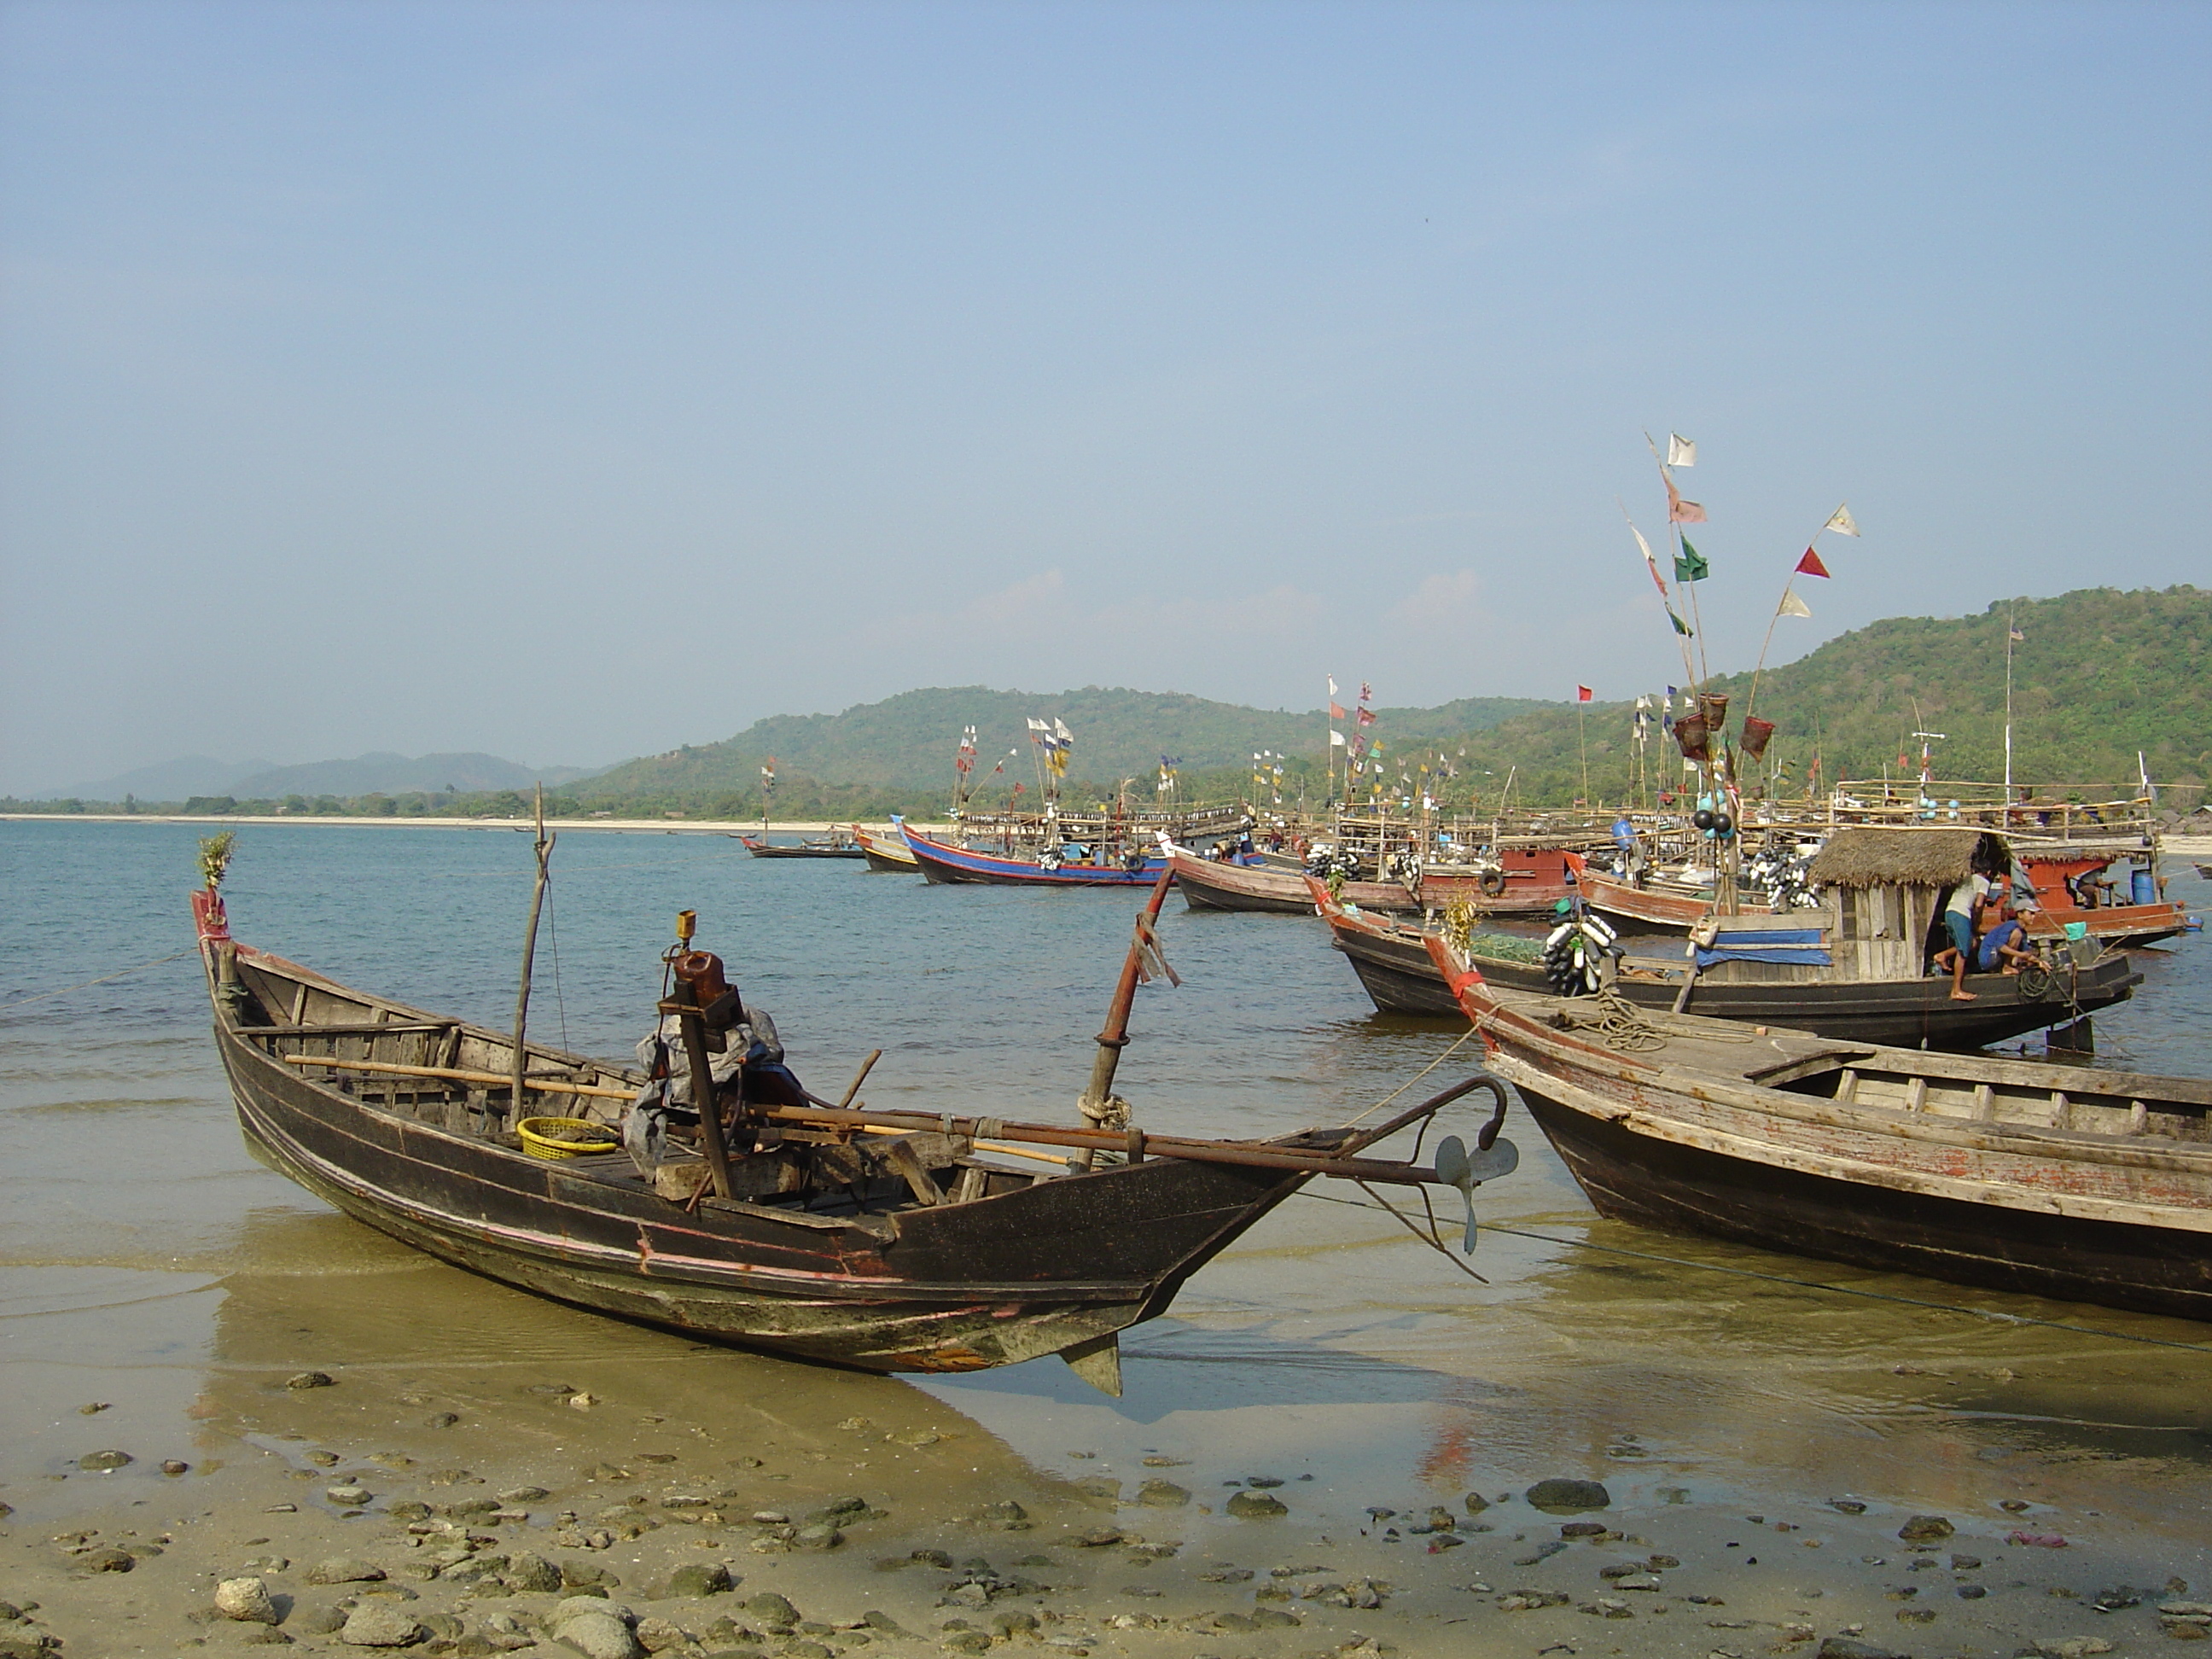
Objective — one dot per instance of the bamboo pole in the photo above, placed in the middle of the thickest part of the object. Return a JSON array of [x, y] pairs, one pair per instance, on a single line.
[[544, 850]]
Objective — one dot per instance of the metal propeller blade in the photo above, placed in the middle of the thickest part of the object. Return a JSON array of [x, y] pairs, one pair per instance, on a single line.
[[1456, 1167]]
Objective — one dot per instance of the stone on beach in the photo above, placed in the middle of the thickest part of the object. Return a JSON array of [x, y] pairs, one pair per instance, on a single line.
[[247, 1599], [1926, 1530], [378, 1623], [310, 1380], [100, 1462], [1256, 1506], [344, 1569], [1563, 1496], [1163, 1495]]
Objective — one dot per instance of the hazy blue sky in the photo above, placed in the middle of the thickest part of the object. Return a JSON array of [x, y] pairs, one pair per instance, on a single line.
[[571, 381]]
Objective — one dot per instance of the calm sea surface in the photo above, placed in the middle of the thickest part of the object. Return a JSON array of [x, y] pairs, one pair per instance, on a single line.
[[141, 1250]]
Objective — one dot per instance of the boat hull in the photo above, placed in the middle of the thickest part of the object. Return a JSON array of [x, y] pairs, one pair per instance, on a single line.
[[992, 1281], [1394, 966], [886, 854], [945, 865], [1657, 1181], [1208, 885]]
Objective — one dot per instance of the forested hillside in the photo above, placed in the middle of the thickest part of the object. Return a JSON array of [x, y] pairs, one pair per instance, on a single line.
[[2098, 675]]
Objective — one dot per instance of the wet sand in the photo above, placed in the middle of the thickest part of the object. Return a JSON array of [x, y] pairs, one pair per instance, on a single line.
[[1019, 1509]]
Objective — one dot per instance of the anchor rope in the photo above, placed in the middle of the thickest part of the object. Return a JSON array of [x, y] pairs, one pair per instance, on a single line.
[[40, 996], [1990, 1314]]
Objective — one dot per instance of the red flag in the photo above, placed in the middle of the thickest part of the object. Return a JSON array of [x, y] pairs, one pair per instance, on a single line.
[[1810, 565], [1581, 694], [1366, 718], [1680, 511], [1336, 711]]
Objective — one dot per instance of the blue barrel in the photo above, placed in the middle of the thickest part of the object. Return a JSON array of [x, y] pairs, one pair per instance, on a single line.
[[2141, 890]]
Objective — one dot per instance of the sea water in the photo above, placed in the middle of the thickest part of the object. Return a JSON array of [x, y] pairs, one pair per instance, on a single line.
[[144, 1257]]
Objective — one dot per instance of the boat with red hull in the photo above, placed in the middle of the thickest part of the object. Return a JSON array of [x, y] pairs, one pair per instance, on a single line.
[[946, 863]]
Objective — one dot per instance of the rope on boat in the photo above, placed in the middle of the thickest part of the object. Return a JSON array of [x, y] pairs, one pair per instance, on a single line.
[[1619, 1024], [1990, 1314], [40, 996], [1416, 1077]]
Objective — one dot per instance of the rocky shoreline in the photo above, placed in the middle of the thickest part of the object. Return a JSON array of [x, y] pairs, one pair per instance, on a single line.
[[342, 1519]]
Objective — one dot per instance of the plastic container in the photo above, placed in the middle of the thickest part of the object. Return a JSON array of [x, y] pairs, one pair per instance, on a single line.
[[2141, 888], [564, 1137]]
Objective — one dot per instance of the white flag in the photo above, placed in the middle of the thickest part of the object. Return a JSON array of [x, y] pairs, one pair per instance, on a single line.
[[1336, 739], [1060, 729], [1842, 523], [1644, 702], [1037, 725], [1791, 606], [1331, 685], [1681, 451]]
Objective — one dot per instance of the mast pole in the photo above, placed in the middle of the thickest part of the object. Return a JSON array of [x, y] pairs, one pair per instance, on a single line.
[[2008, 640], [544, 850]]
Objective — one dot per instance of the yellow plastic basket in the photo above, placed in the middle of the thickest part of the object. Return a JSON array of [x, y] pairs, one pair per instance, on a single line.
[[564, 1137]]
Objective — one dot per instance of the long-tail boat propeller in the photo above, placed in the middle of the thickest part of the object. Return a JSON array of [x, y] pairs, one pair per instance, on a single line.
[[1457, 1167]]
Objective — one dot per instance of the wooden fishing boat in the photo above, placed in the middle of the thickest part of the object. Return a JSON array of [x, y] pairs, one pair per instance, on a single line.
[[887, 853], [886, 1241], [1523, 876], [836, 846], [1211, 885], [1392, 961], [2090, 1185], [946, 863]]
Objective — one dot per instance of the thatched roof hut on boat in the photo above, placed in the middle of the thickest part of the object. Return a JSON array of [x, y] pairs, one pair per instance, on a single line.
[[1888, 885]]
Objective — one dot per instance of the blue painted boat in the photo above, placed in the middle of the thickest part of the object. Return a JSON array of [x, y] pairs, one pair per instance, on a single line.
[[943, 862]]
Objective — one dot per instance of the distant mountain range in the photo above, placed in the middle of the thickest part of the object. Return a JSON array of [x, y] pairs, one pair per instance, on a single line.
[[380, 773], [2100, 676]]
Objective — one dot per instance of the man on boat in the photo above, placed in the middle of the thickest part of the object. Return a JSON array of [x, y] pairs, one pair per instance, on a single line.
[[2004, 949], [1961, 915]]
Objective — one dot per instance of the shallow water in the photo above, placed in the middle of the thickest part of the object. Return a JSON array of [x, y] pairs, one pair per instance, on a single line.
[[145, 1260]]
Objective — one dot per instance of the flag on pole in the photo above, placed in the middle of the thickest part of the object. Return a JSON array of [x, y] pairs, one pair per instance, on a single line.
[[1367, 692], [1681, 627], [1336, 739], [1681, 451], [1810, 565], [1336, 711], [1791, 606], [1367, 717], [1842, 523], [1331, 685], [2019, 638], [1681, 512], [1650, 561], [1690, 566], [1581, 694]]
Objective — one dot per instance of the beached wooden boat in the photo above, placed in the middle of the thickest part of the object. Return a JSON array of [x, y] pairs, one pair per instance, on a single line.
[[887, 853], [836, 846], [2069, 1181], [1393, 962], [947, 863], [887, 1241], [1211, 884], [1524, 875]]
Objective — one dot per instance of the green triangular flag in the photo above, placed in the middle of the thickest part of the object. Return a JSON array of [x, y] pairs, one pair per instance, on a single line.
[[1690, 564], [1681, 627]]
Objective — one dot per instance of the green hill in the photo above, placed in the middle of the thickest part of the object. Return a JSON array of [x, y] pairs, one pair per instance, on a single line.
[[906, 743], [2099, 674]]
